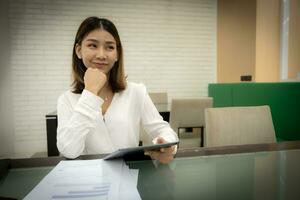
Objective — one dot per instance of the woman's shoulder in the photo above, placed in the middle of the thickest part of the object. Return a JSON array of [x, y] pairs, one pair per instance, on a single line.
[[135, 92], [68, 96], [136, 87]]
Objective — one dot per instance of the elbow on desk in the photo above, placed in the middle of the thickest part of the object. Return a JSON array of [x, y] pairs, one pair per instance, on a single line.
[[67, 145], [67, 151]]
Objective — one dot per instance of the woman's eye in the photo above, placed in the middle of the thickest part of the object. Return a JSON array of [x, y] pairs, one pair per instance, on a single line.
[[111, 47], [92, 45]]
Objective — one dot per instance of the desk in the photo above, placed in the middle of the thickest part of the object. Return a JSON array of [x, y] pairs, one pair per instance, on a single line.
[[264, 171], [51, 127]]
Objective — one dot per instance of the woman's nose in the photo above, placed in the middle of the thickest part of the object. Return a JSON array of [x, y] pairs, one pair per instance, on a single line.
[[101, 53]]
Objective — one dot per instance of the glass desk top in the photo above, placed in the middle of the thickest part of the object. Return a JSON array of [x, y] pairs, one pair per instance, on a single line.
[[261, 174]]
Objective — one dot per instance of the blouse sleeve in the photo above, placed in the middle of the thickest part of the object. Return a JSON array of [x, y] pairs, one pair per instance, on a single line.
[[153, 122], [75, 123]]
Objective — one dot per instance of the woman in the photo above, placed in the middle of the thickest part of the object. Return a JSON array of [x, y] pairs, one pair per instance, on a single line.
[[104, 112]]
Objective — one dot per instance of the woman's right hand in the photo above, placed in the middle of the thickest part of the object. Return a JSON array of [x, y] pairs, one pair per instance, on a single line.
[[94, 80]]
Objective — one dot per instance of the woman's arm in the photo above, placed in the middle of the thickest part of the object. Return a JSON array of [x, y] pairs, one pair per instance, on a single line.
[[159, 130], [75, 123], [153, 122]]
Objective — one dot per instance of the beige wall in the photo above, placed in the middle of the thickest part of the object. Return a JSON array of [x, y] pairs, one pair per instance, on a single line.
[[235, 39], [248, 40], [267, 41], [294, 39]]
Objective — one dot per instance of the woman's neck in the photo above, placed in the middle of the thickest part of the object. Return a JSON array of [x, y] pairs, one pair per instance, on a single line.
[[106, 91]]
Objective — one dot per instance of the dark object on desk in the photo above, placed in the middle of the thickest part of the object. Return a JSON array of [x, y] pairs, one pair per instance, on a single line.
[[51, 124], [246, 78], [7, 198], [4, 167], [135, 153]]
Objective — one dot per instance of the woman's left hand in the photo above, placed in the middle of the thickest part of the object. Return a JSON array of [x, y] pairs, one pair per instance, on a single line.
[[164, 155]]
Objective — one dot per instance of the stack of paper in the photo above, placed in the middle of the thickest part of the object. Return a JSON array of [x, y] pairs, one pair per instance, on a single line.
[[88, 179]]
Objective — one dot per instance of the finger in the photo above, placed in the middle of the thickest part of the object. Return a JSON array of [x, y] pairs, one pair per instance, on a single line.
[[154, 155], [160, 140], [168, 149]]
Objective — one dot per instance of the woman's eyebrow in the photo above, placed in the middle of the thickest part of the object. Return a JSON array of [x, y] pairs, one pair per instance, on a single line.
[[92, 40], [97, 41], [110, 42]]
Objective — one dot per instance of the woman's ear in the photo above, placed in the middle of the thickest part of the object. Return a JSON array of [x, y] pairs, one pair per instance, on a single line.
[[117, 58], [78, 51]]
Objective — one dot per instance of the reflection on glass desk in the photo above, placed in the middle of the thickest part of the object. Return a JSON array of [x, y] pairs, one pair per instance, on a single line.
[[266, 171]]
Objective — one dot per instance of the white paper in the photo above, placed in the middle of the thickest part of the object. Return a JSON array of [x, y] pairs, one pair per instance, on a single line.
[[87, 179], [128, 186], [134, 174]]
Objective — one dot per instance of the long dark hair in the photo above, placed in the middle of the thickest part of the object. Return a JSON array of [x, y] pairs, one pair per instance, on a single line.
[[116, 77]]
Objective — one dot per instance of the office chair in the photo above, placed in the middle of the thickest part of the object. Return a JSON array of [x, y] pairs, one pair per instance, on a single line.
[[159, 97], [189, 114], [238, 125]]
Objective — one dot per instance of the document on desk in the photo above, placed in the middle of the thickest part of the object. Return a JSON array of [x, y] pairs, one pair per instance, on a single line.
[[88, 179]]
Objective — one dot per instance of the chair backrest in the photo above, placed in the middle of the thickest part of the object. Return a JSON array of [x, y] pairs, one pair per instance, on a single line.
[[189, 112], [159, 97], [238, 125]]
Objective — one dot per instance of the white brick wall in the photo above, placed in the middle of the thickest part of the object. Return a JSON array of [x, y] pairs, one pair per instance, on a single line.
[[6, 118], [170, 45]]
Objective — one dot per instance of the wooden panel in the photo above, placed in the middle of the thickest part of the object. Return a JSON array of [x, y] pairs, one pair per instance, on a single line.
[[235, 39], [294, 40], [267, 41]]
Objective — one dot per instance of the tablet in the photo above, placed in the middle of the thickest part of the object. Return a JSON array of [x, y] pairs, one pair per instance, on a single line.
[[137, 151]]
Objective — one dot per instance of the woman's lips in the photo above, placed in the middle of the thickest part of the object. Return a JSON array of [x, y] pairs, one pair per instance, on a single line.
[[100, 65]]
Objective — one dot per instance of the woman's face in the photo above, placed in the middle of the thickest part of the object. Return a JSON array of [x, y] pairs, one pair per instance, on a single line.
[[98, 50]]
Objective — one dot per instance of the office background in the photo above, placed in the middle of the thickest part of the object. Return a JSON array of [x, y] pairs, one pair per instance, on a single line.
[[170, 45]]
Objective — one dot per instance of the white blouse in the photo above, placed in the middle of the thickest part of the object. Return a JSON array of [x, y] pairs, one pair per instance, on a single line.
[[82, 129]]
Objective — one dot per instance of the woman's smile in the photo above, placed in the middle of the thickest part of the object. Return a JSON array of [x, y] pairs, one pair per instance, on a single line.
[[100, 65]]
